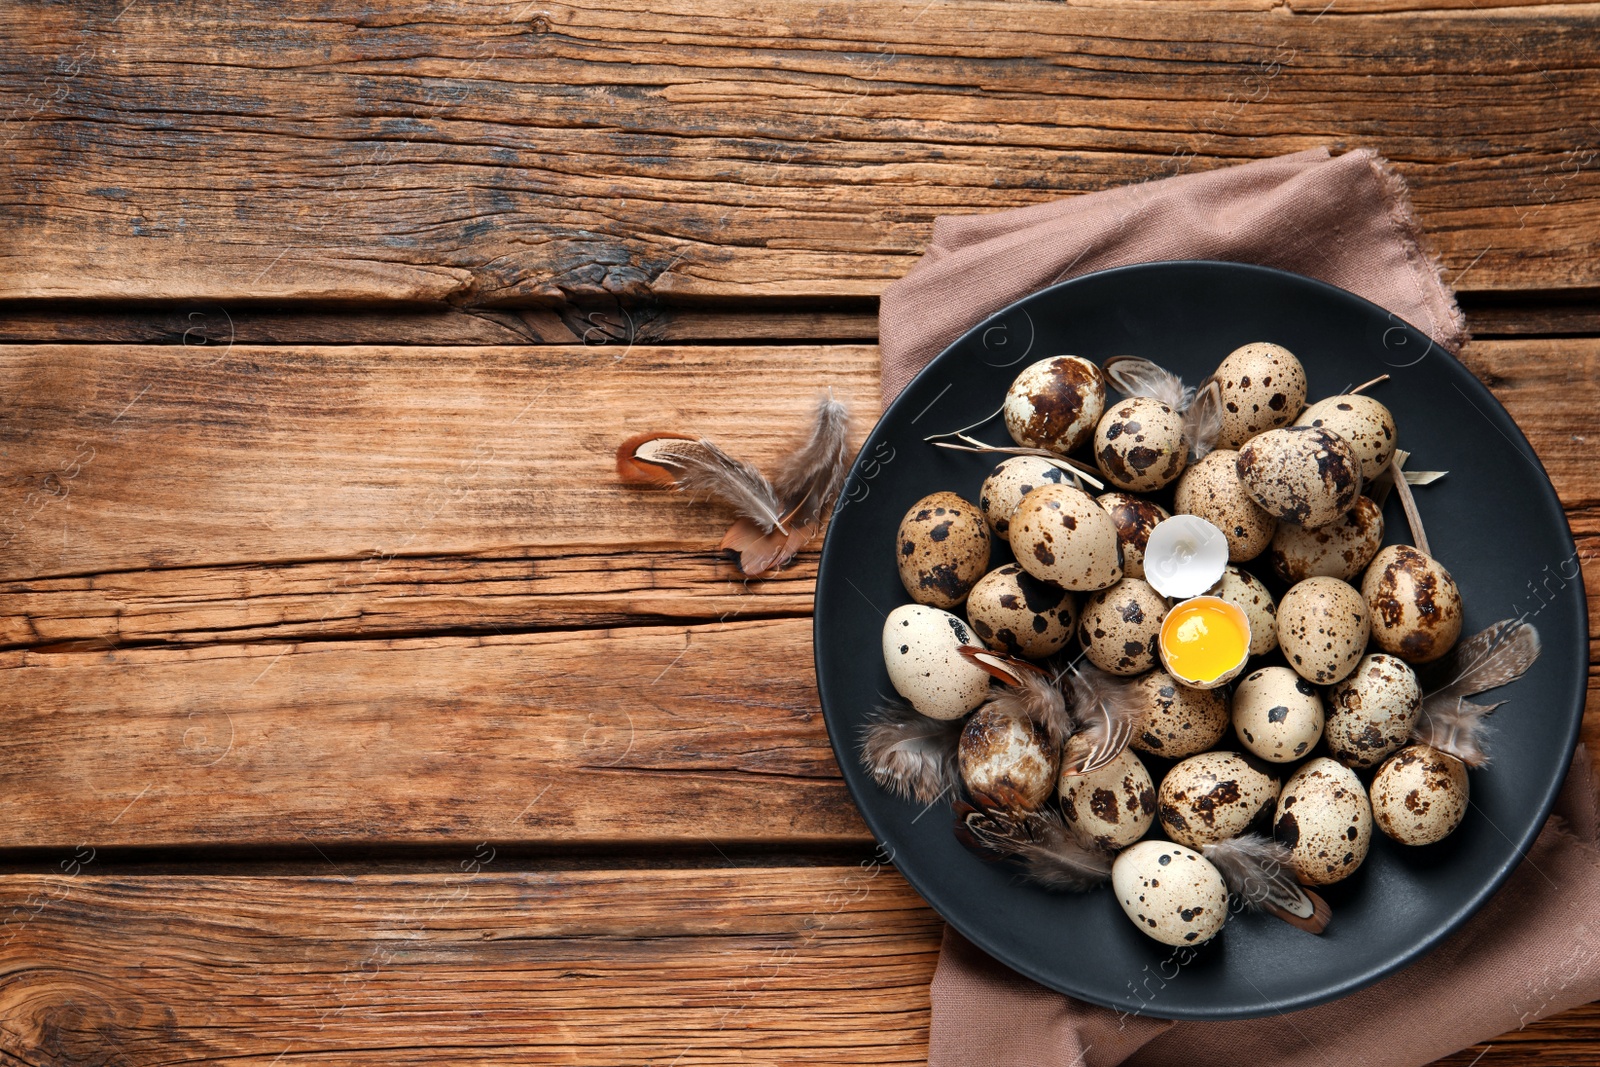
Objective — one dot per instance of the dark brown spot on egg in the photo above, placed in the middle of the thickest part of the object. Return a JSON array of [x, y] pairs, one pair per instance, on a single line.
[[1288, 830]]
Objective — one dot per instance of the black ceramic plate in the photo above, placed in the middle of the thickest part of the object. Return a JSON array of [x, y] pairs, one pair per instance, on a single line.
[[1494, 522]]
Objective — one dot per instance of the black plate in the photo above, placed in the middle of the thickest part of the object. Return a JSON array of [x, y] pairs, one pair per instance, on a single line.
[[1495, 522]]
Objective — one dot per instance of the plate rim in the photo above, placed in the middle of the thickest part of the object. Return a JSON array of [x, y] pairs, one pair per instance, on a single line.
[[843, 752]]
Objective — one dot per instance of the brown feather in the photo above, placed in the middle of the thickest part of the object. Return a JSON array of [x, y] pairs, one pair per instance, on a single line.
[[911, 755], [761, 553], [699, 466], [810, 477], [1202, 421], [633, 471], [1046, 849], [1108, 711], [1028, 691], [1135, 376], [1491, 658], [1257, 871]]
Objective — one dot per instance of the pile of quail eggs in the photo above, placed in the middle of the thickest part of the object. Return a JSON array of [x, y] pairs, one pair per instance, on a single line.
[[1308, 743]]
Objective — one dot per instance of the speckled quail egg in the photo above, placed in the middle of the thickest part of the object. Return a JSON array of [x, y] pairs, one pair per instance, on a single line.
[[1212, 490], [1139, 444], [1250, 594], [1373, 711], [1263, 387], [1055, 403], [1009, 482], [1214, 796], [1171, 893], [1007, 758], [1059, 534], [942, 548], [1134, 517], [1178, 721], [1419, 795], [921, 648], [1366, 424], [1277, 714], [1012, 611], [1323, 625], [1305, 475], [1342, 549], [1112, 806], [1120, 627], [1416, 606], [1324, 820]]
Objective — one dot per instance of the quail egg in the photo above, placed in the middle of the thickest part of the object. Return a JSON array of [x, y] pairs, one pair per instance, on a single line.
[[1214, 796], [1325, 821], [1139, 444], [1323, 625], [1059, 534], [1263, 387], [1009, 482], [1012, 611], [1055, 403], [1366, 424], [1304, 475], [1342, 549], [1171, 893], [942, 548], [1250, 595], [1277, 714], [1120, 626], [1112, 806], [1416, 607], [1419, 795], [1373, 711], [921, 648], [1178, 721], [1212, 490], [1134, 518], [1006, 758]]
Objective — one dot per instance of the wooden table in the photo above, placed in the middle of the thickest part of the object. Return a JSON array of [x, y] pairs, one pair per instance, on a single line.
[[353, 713]]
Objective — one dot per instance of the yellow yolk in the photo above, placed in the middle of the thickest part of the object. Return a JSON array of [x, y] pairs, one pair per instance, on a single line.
[[1204, 638]]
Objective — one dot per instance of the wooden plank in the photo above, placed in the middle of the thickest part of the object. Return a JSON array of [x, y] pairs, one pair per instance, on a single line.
[[454, 152], [787, 965], [482, 965], [619, 737]]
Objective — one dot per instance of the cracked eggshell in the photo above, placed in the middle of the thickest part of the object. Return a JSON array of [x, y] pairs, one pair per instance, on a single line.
[[1323, 625], [1012, 611], [1212, 490], [1009, 482], [1179, 721], [1342, 549], [1360, 420], [1171, 893], [1419, 795], [1250, 595], [1372, 712], [1263, 387], [1139, 445], [1113, 806], [1059, 534], [1213, 796], [1055, 404], [1416, 606], [1007, 758], [921, 650], [1305, 475], [1277, 714], [1325, 821], [1120, 627], [942, 548], [1134, 518]]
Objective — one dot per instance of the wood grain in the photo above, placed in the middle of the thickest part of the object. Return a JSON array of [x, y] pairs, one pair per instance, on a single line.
[[455, 152]]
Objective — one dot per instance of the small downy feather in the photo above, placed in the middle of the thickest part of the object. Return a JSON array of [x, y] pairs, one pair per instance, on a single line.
[[1257, 871], [1134, 376], [1028, 691], [1493, 657], [1045, 848], [1202, 422], [810, 476], [699, 466], [911, 755], [1108, 711]]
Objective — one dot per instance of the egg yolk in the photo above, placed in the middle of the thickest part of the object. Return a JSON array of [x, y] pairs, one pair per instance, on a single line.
[[1203, 640]]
